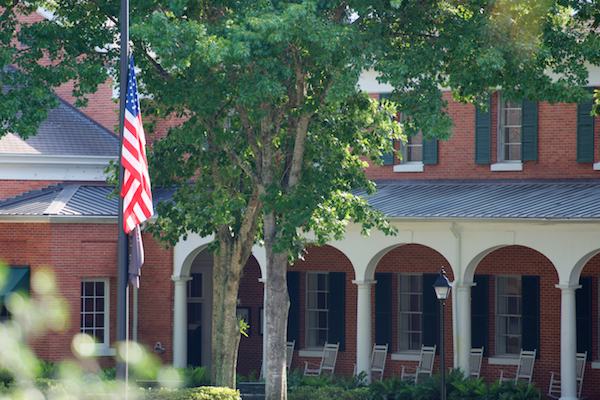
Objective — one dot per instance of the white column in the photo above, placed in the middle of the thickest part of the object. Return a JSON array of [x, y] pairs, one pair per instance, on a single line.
[[180, 321], [568, 342], [264, 328], [462, 328], [363, 327]]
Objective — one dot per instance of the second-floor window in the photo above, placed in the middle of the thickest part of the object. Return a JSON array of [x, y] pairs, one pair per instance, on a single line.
[[509, 130]]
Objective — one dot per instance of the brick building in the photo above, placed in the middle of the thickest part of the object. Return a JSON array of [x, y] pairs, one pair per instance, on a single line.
[[509, 206]]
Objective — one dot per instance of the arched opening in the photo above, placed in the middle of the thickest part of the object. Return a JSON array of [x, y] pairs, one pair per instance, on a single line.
[[199, 310], [405, 308], [513, 298]]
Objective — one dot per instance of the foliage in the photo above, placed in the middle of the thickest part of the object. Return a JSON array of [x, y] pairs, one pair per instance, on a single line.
[[6, 377], [47, 369], [392, 388], [297, 379], [200, 393], [196, 376], [327, 393], [108, 374], [351, 381]]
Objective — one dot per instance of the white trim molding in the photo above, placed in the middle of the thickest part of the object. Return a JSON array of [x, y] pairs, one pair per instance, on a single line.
[[409, 167], [53, 167], [507, 166]]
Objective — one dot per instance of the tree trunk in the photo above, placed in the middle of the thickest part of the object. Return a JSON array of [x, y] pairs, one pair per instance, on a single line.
[[277, 305], [227, 272]]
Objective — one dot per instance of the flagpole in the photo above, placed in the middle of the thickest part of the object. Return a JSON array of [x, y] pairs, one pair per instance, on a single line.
[[122, 248]]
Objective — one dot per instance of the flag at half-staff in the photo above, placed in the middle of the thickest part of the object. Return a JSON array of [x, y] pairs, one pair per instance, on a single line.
[[136, 192]]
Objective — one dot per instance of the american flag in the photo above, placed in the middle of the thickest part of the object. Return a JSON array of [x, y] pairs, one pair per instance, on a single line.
[[136, 193]]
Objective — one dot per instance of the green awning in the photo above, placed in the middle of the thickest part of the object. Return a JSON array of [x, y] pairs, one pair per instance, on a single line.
[[17, 280]]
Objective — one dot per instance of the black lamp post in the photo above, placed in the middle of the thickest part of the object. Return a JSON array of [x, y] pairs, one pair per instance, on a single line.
[[442, 291]]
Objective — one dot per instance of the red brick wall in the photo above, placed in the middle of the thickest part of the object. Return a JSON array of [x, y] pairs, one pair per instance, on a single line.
[[557, 149], [75, 251]]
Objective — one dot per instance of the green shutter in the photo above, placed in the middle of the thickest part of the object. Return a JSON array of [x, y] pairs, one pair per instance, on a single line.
[[479, 313], [383, 309], [583, 299], [430, 151], [530, 334], [483, 134], [337, 309], [529, 131], [585, 131], [293, 327], [431, 315]]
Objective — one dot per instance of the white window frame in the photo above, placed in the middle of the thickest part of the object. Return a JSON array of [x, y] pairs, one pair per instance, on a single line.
[[503, 124], [518, 316], [405, 347], [405, 164], [311, 331], [101, 347]]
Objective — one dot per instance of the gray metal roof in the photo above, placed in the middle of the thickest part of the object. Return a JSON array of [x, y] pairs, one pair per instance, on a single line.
[[69, 200], [473, 199], [489, 199], [66, 132]]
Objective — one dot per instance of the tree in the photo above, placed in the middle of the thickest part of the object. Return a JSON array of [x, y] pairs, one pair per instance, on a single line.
[[276, 130]]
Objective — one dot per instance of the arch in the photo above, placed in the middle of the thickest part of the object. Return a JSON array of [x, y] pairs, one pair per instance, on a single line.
[[472, 264], [578, 267], [185, 251], [374, 262]]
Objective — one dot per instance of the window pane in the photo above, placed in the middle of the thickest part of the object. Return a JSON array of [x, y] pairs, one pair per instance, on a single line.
[[100, 305], [322, 281], [88, 305], [322, 305], [99, 289], [99, 335], [88, 288], [311, 300], [100, 320], [514, 152], [323, 319], [312, 281]]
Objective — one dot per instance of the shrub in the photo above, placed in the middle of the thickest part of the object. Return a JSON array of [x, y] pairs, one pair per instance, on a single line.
[[6, 377], [47, 369], [392, 389], [351, 381], [199, 393], [196, 376], [327, 393]]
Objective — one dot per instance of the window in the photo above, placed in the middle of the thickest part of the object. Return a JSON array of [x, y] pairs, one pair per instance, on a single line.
[[517, 134], [509, 130], [94, 310], [410, 312], [509, 309], [317, 309], [412, 151]]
